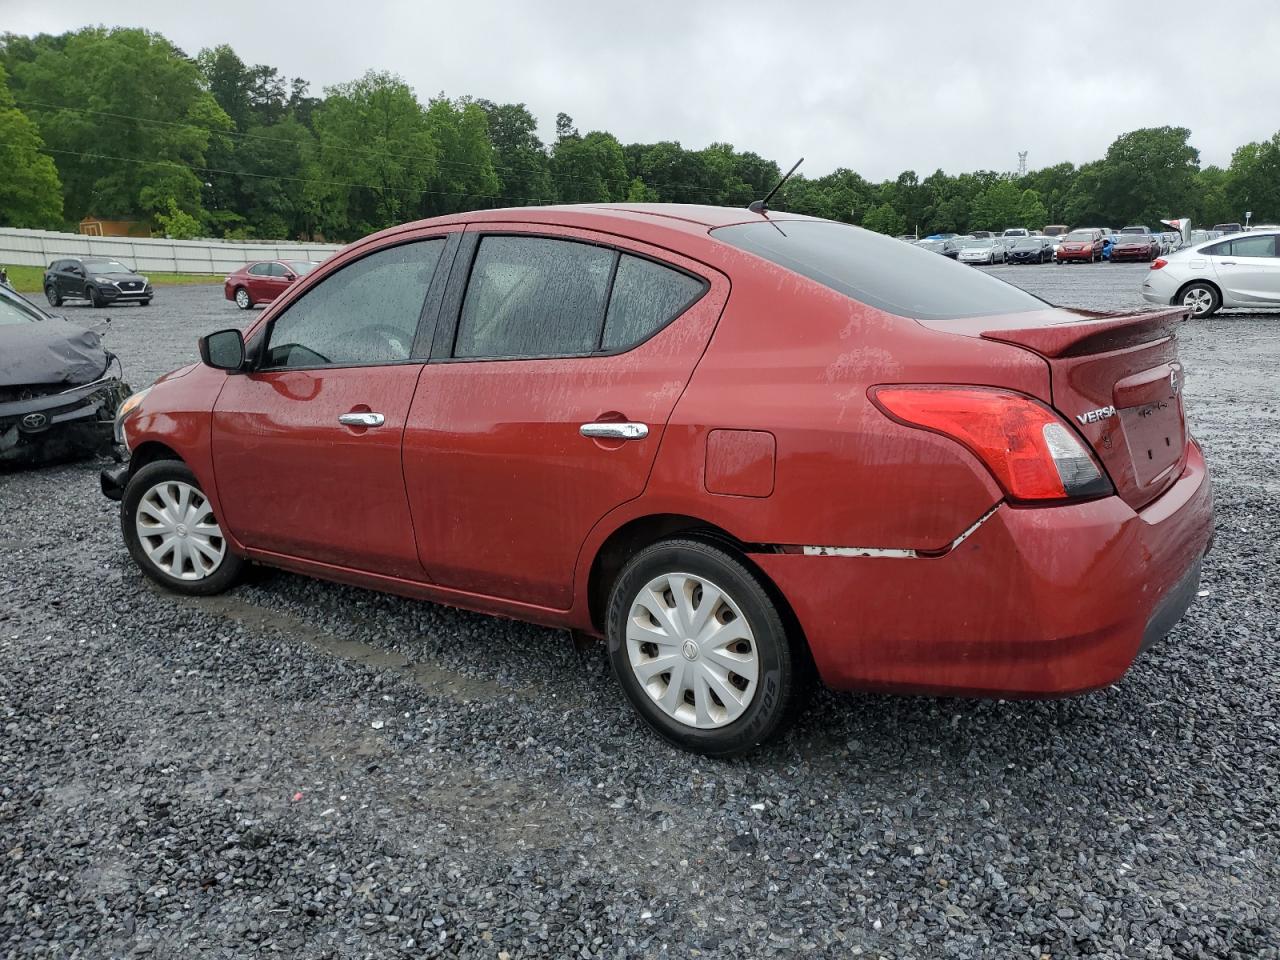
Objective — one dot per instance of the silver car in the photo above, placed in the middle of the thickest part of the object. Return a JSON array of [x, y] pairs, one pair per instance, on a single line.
[[1238, 271], [982, 250]]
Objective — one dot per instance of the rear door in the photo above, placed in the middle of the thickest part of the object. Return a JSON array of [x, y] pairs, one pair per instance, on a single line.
[[1249, 269], [560, 356], [258, 280]]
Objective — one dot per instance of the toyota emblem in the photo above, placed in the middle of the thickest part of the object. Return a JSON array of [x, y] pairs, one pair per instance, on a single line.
[[35, 421]]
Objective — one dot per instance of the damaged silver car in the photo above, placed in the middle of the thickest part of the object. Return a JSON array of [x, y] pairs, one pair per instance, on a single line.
[[60, 387]]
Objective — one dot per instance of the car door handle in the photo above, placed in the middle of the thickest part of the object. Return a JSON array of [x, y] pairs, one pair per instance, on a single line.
[[615, 431], [362, 419], [1227, 263]]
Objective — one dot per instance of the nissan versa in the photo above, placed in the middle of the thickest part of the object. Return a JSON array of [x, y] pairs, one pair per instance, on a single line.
[[739, 445]]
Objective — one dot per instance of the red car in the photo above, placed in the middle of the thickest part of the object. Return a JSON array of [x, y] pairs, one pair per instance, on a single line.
[[736, 444], [263, 281], [1083, 245], [1135, 243]]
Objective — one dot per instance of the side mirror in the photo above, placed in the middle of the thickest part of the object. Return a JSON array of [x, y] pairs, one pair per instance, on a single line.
[[223, 350]]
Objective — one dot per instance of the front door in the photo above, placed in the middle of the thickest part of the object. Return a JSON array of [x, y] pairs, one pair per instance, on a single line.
[[550, 386], [306, 448]]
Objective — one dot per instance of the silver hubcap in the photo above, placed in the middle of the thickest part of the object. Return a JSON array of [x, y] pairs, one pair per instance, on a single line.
[[692, 650], [178, 531], [242, 299], [1199, 300]]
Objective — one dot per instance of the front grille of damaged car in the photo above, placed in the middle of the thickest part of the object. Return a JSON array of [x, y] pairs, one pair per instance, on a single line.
[[29, 391]]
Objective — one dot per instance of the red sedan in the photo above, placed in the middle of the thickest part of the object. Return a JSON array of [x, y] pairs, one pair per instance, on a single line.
[[735, 444], [263, 281], [1083, 245]]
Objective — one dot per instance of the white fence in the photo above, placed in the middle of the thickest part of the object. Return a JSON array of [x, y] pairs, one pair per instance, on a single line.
[[36, 248]]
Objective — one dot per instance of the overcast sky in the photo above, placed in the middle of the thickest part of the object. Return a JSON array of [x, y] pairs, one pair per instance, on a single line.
[[879, 88]]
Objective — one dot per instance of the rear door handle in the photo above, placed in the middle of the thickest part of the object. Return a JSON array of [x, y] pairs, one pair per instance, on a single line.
[[362, 419], [615, 431]]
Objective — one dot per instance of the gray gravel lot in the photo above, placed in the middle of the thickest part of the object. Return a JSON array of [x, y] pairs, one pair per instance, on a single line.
[[308, 770]]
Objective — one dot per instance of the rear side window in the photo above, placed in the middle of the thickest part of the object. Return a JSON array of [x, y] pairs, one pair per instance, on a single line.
[[646, 296], [1260, 246], [879, 271], [366, 312], [534, 297], [261, 270]]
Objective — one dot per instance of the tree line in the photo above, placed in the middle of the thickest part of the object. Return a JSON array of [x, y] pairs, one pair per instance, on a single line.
[[121, 124]]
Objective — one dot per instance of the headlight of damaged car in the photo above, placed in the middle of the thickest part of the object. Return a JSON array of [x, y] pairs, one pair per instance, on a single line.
[[130, 404]]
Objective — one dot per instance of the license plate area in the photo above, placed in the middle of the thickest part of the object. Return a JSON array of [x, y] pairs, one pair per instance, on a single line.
[[1154, 434]]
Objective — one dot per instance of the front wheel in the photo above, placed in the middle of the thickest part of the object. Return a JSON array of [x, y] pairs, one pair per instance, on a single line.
[[146, 302], [51, 294], [1202, 299], [700, 648], [243, 300], [172, 533], [94, 297]]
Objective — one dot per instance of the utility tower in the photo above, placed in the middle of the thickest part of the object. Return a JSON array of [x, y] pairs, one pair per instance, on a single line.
[[1022, 163]]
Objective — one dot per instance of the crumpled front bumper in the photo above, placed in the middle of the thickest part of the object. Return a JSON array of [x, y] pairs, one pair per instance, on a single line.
[[75, 420]]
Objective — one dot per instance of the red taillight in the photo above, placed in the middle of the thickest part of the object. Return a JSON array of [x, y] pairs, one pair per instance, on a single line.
[[1032, 454], [1159, 262]]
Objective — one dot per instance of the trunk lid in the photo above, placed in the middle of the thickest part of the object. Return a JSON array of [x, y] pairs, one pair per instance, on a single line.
[[1116, 379]]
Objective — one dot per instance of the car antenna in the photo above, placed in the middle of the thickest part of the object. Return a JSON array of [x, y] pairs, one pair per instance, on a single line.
[[759, 206]]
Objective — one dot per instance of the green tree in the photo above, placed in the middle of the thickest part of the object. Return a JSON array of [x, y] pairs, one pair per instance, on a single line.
[[998, 207], [1148, 174], [1031, 210], [177, 223], [588, 169], [30, 193], [465, 177], [1254, 182], [376, 151], [519, 157], [884, 219], [151, 148]]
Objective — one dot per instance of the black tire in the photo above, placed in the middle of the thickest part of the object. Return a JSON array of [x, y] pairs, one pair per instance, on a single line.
[[229, 570], [145, 303], [91, 294], [1214, 298], [245, 302], [51, 294], [780, 668]]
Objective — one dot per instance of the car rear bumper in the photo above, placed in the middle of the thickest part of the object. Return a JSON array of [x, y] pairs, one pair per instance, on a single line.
[[1036, 602]]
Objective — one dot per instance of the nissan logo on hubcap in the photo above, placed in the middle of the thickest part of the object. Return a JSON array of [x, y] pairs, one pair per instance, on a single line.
[[34, 421], [690, 650]]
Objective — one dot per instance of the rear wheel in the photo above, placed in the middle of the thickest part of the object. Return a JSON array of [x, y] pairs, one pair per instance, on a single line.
[[243, 300], [1201, 298], [700, 648], [172, 533], [51, 294]]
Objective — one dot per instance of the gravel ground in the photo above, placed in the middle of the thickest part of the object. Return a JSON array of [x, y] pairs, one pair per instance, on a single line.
[[309, 770]]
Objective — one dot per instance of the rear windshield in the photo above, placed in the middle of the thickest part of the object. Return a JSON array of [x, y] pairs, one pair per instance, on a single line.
[[879, 271]]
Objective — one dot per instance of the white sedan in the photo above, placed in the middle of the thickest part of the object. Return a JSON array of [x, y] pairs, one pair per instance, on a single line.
[[1242, 270]]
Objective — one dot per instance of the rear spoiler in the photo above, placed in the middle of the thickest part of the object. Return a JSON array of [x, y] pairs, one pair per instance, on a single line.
[[1076, 337]]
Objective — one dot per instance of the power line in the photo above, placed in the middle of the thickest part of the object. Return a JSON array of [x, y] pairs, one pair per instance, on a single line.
[[269, 176], [367, 151]]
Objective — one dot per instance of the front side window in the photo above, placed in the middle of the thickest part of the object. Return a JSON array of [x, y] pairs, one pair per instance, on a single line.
[[366, 312], [277, 270], [1260, 246], [534, 297], [879, 271]]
